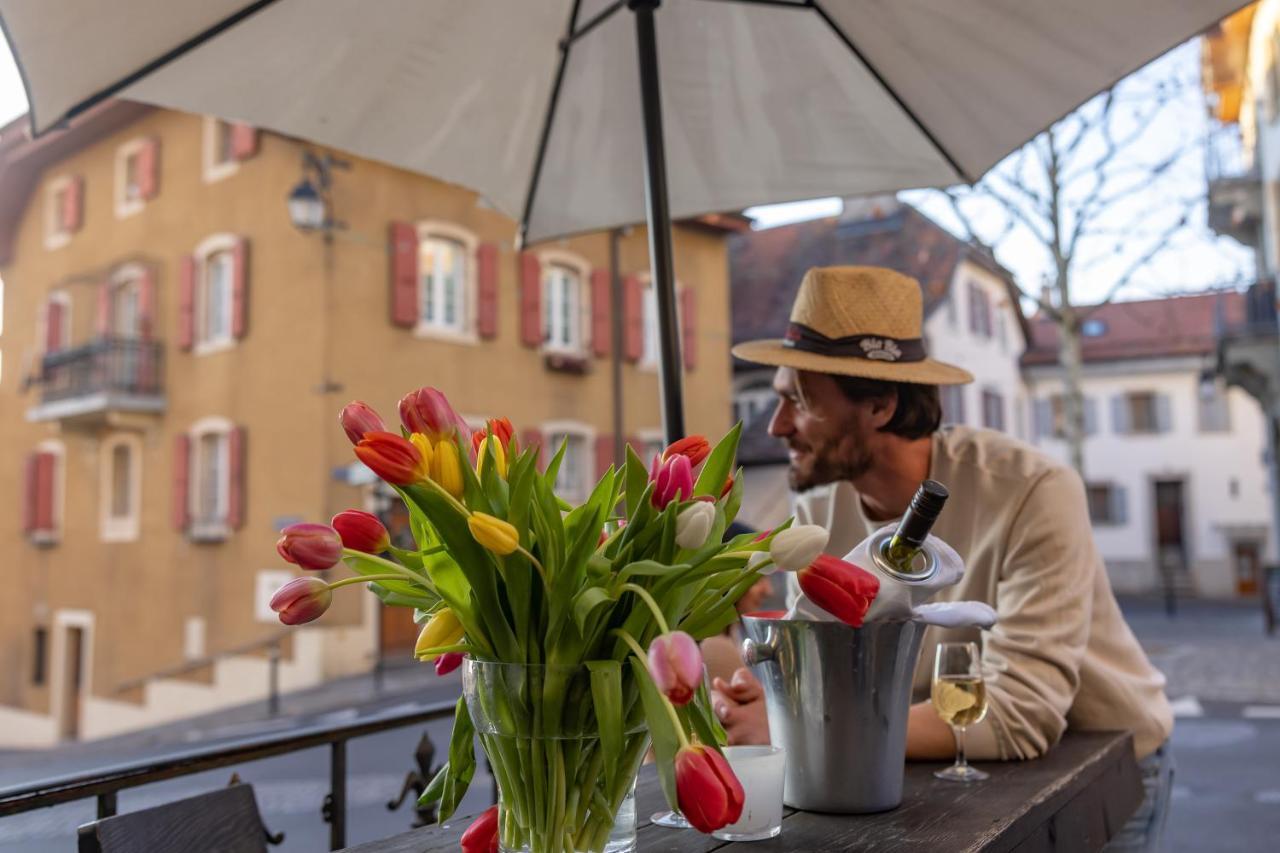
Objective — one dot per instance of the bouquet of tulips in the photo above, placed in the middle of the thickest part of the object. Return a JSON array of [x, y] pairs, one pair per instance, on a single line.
[[581, 622]]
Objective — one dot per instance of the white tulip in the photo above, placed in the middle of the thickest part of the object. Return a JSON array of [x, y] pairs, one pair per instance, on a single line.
[[758, 557], [796, 547], [693, 524]]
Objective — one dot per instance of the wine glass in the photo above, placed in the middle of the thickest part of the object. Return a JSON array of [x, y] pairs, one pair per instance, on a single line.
[[960, 697]]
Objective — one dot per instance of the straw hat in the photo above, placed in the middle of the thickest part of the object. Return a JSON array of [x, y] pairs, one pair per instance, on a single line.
[[856, 321]]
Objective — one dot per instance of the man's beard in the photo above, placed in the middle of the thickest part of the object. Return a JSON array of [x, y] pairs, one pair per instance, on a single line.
[[831, 463]]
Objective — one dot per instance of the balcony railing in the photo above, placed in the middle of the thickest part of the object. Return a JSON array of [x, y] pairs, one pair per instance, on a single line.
[[122, 374]]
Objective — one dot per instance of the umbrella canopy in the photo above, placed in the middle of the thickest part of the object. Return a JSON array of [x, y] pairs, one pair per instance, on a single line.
[[538, 104]]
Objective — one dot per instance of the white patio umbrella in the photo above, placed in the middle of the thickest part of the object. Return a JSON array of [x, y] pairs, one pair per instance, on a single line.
[[559, 112]]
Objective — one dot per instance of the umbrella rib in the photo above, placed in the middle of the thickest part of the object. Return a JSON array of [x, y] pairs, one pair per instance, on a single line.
[[565, 44], [165, 58], [590, 25], [902, 105]]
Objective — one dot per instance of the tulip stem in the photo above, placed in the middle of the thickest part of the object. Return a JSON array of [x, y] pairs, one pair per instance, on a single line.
[[400, 570], [536, 564], [457, 504], [363, 579], [436, 651], [653, 605], [666, 703]]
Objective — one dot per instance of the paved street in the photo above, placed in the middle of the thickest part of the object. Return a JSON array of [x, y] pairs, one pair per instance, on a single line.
[[1224, 680]]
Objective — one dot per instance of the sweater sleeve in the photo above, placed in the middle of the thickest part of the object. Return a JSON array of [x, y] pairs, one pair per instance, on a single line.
[[1044, 601]]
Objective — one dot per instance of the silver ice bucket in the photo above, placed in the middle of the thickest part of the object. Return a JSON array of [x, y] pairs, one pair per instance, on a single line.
[[837, 699]]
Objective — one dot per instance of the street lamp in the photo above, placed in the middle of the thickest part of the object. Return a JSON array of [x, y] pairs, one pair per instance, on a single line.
[[309, 202], [306, 208]]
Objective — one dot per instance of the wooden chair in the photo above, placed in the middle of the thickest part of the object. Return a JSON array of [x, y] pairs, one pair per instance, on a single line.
[[222, 821]]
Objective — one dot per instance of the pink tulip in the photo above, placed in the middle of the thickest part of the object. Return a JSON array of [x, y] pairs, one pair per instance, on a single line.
[[361, 531], [358, 418], [448, 662], [428, 411], [672, 480], [676, 666], [312, 546], [302, 600]]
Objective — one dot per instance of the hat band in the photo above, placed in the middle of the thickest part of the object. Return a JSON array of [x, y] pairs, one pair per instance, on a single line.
[[870, 347]]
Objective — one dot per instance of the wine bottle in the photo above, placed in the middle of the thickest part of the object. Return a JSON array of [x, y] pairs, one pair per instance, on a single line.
[[900, 551]]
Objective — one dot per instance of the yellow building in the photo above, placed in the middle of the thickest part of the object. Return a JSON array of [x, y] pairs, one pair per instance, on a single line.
[[174, 356]]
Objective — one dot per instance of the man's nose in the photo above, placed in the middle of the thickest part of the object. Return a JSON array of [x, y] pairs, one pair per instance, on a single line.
[[780, 425]]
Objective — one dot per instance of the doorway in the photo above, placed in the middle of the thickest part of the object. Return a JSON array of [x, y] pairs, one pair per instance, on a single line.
[[72, 682], [1171, 545], [1247, 556]]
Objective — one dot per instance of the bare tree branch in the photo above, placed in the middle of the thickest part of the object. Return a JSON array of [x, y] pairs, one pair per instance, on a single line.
[[1156, 247]]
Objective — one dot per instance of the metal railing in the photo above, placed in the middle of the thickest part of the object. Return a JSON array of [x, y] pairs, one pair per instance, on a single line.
[[114, 365], [105, 783], [1225, 155], [272, 646]]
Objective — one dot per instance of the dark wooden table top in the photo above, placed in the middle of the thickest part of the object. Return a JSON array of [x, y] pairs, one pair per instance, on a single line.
[[1073, 799]]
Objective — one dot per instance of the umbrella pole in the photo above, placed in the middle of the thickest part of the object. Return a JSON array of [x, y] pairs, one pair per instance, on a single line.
[[658, 213]]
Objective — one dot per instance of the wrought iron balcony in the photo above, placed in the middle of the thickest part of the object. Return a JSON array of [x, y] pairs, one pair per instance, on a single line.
[[1234, 187], [107, 375]]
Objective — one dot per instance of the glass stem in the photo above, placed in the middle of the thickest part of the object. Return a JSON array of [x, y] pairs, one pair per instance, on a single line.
[[960, 760]]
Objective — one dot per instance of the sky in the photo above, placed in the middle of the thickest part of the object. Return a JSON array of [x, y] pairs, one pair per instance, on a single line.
[[1197, 261]]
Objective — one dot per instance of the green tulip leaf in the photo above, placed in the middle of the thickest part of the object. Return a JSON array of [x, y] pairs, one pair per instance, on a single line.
[[666, 742], [606, 697], [462, 761], [715, 471], [733, 501], [586, 603]]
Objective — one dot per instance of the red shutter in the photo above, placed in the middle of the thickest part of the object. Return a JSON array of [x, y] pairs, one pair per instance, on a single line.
[[244, 140], [181, 466], [53, 322], [104, 308], [72, 213], [633, 318], [240, 288], [146, 303], [533, 438], [604, 453], [689, 327], [487, 290], [149, 168], [601, 339], [404, 275], [235, 478], [44, 511], [29, 499], [530, 300], [187, 302]]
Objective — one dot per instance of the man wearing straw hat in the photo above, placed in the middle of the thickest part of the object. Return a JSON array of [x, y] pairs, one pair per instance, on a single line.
[[859, 411]]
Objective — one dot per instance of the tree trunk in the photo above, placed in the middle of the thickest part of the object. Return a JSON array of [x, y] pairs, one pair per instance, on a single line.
[[1072, 395]]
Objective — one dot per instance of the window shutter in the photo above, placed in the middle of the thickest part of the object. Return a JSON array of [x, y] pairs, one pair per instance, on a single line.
[[633, 318], [29, 499], [240, 288], [72, 213], [146, 303], [601, 332], [149, 168], [1043, 416], [533, 438], [53, 322], [1090, 416], [235, 478], [181, 466], [604, 453], [530, 300], [1164, 413], [244, 140], [487, 290], [103, 323], [404, 275], [1120, 414], [187, 302], [44, 515], [689, 327], [1119, 510]]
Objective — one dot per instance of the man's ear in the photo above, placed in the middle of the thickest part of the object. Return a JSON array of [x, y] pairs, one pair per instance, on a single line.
[[880, 410]]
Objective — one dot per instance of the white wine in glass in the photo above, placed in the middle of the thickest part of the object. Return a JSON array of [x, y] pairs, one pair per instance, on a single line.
[[960, 697]]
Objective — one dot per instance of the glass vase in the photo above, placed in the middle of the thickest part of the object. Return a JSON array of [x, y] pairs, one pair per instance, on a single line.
[[557, 792]]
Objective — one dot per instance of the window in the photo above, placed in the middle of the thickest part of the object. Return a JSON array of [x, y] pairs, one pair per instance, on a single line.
[[1050, 416], [214, 292], [136, 175], [650, 444], [573, 478], [57, 322], [120, 495], [1093, 328], [442, 289], [992, 410], [562, 308], [651, 341], [63, 210], [212, 480], [40, 656], [209, 483], [952, 404], [1106, 503], [1140, 408], [979, 311], [1214, 413], [220, 159], [126, 307]]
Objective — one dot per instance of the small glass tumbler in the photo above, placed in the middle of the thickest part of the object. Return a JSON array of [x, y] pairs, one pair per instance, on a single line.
[[762, 771]]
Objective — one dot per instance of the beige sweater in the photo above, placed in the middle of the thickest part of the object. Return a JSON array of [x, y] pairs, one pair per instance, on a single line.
[[1062, 654]]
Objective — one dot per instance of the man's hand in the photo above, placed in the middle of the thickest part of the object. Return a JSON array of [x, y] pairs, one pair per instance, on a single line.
[[739, 705]]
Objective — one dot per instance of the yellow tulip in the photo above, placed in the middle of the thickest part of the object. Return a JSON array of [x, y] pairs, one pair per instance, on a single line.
[[442, 629], [499, 455], [497, 535], [446, 468], [425, 447]]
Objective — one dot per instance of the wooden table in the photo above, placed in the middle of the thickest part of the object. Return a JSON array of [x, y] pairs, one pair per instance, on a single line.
[[1073, 799]]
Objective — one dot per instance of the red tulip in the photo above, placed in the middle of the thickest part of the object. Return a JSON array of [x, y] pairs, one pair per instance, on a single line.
[[393, 458], [709, 795], [728, 486], [482, 835], [312, 546], [501, 429], [842, 589], [448, 662], [302, 600], [428, 411], [672, 480], [358, 418], [675, 663], [361, 531], [695, 447]]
